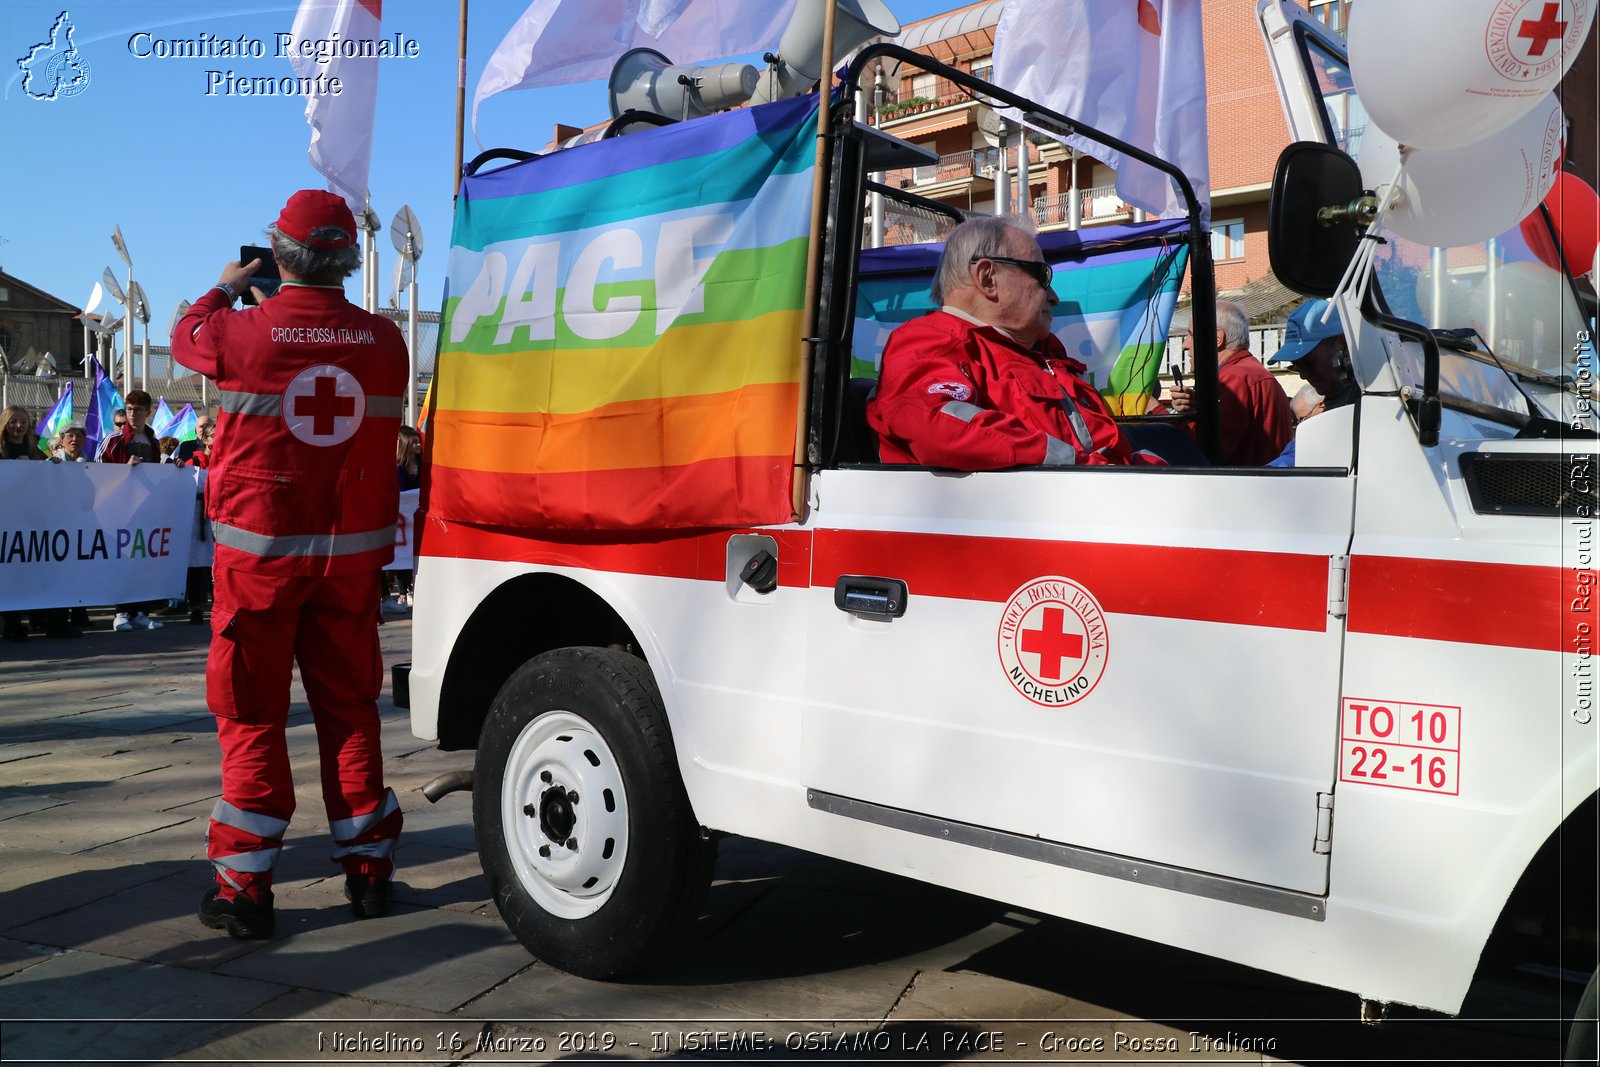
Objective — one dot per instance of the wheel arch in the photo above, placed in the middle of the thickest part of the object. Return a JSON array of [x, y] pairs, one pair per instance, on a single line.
[[1556, 887], [524, 616]]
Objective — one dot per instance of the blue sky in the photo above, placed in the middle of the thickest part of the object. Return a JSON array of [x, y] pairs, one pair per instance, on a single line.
[[190, 177]]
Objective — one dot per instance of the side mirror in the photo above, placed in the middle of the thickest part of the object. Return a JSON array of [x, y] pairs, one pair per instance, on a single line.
[[1316, 217]]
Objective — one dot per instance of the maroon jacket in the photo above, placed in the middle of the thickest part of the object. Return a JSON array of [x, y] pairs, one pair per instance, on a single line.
[[117, 451]]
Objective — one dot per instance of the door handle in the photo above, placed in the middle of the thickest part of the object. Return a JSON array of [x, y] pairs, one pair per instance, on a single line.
[[861, 594]]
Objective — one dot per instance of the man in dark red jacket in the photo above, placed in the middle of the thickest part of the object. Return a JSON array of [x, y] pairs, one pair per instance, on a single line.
[[1252, 407], [982, 383], [302, 502]]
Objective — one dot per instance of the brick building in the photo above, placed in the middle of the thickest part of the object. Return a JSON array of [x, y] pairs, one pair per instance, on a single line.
[[1246, 125], [1245, 122]]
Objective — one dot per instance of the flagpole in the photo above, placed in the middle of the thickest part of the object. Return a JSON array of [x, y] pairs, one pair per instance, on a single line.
[[809, 341], [461, 99]]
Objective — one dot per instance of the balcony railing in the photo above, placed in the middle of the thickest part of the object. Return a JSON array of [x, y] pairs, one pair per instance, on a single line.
[[1096, 202]]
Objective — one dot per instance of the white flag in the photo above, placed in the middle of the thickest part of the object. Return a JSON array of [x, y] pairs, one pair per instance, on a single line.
[[1134, 69], [560, 41], [341, 126]]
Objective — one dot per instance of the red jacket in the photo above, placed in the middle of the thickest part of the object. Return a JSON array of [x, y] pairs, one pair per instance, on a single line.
[[958, 395], [302, 465], [1253, 409]]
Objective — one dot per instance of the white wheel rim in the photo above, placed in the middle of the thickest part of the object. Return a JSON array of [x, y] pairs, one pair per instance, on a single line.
[[568, 855]]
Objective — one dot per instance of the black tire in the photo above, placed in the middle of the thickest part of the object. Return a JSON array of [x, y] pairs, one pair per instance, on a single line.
[[1581, 1045], [606, 883]]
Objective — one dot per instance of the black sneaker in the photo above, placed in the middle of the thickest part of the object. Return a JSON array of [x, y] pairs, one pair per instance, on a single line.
[[241, 917], [368, 895]]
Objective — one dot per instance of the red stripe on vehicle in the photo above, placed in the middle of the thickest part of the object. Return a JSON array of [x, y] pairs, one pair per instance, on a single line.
[[1276, 589], [1470, 603], [698, 556]]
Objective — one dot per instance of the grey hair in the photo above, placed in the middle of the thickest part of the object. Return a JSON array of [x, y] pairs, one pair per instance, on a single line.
[[1306, 399], [978, 236], [322, 266], [1235, 326]]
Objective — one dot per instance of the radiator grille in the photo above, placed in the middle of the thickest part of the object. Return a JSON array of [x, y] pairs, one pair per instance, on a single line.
[[1521, 484]]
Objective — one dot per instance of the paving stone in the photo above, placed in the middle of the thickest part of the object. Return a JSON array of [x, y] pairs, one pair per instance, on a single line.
[[435, 877], [16, 802], [1030, 1024], [41, 883], [423, 958], [314, 1026], [791, 954], [87, 1007], [77, 827], [153, 921], [17, 753], [20, 955]]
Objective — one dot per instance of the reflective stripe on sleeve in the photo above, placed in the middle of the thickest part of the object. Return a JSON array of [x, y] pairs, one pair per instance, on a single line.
[[266, 545], [962, 410], [1058, 453]]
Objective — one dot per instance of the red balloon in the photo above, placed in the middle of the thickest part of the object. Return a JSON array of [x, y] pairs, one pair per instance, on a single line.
[[1575, 213]]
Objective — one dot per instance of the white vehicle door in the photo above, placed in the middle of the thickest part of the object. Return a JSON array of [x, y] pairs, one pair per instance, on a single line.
[[1130, 671], [1137, 664]]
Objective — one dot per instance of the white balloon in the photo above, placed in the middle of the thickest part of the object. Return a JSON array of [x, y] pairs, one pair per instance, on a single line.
[[1445, 73], [1458, 196]]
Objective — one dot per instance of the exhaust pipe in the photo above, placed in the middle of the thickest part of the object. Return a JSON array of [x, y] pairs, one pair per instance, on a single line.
[[445, 784]]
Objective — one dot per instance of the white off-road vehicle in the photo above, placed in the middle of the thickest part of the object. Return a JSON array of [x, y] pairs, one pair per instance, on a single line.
[[1334, 720]]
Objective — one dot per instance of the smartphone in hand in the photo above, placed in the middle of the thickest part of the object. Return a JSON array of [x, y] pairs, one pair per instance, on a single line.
[[266, 277]]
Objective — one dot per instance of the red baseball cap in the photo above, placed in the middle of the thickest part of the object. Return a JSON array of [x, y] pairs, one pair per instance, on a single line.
[[312, 209]]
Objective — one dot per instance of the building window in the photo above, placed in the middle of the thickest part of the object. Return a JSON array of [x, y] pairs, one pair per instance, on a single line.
[[983, 68], [1227, 240], [1334, 14], [925, 86]]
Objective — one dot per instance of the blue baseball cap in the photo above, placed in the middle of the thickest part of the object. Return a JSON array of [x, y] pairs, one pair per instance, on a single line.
[[1306, 331]]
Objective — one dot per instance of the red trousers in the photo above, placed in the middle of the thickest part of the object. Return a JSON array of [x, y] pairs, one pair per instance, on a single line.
[[261, 626]]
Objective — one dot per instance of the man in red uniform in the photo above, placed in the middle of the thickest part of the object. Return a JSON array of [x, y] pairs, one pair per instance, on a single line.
[[1253, 409], [982, 383], [302, 502]]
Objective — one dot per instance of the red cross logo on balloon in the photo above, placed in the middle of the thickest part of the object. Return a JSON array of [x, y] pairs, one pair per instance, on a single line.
[[1053, 641], [324, 405]]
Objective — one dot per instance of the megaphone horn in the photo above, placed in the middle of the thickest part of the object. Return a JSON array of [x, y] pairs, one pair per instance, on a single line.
[[800, 59]]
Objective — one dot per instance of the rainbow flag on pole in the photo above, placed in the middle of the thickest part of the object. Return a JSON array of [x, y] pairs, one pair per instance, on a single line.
[[58, 419], [621, 338]]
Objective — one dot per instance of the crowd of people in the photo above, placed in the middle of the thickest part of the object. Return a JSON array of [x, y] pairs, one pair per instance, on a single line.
[[134, 441], [131, 441]]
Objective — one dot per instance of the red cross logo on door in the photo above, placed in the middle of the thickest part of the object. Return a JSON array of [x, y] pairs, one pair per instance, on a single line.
[[324, 405], [1053, 641]]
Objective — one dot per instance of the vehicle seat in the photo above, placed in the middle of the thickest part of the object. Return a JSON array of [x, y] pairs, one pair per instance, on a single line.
[[858, 441]]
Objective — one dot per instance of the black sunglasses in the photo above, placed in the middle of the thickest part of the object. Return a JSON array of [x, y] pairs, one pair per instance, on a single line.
[[1041, 271]]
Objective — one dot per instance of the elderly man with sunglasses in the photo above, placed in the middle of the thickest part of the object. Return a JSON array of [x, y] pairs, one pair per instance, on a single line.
[[982, 383]]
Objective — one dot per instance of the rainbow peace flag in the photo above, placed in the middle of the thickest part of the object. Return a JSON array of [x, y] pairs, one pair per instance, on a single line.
[[58, 419], [1117, 288], [621, 338]]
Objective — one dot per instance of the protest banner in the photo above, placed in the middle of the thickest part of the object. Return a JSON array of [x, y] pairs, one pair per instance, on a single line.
[[88, 534]]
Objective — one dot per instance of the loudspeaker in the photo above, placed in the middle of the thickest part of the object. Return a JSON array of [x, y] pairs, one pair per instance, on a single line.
[[799, 65], [645, 80]]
